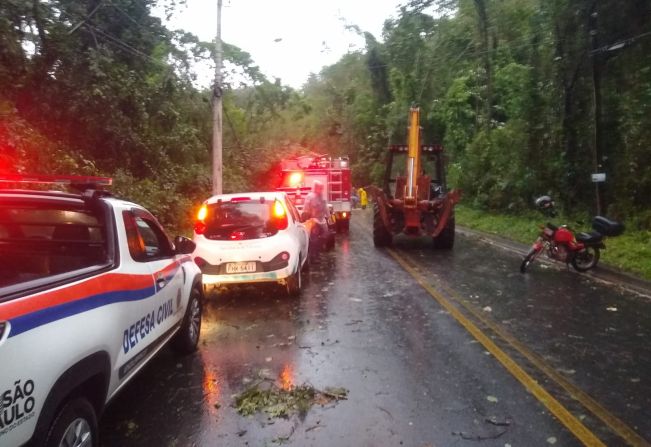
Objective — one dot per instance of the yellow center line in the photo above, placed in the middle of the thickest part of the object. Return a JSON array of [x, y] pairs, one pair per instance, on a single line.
[[617, 425], [575, 426]]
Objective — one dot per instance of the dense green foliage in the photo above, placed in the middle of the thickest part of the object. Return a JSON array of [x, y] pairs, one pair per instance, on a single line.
[[528, 97], [517, 91], [102, 87]]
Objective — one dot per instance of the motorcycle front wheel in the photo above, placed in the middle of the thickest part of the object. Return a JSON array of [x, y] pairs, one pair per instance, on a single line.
[[586, 259], [528, 260]]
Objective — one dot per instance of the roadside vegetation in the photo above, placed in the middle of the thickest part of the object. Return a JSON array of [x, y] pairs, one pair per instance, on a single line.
[[528, 97]]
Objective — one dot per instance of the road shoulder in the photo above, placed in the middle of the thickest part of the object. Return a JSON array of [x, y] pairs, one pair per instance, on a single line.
[[602, 273]]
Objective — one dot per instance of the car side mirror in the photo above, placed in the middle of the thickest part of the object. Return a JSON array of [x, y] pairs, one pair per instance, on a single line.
[[305, 216], [183, 245]]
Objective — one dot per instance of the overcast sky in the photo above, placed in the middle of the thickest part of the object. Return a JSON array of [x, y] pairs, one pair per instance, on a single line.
[[288, 39]]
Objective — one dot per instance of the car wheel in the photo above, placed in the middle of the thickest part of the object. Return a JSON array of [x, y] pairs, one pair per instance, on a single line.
[[294, 283], [306, 264], [74, 426], [186, 340]]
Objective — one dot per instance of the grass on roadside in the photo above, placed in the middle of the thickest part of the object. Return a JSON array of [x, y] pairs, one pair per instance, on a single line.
[[630, 252]]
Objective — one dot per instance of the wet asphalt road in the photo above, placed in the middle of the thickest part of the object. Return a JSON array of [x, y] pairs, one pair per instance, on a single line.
[[415, 376]]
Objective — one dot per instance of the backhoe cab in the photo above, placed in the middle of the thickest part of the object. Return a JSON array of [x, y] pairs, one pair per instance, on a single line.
[[414, 199]]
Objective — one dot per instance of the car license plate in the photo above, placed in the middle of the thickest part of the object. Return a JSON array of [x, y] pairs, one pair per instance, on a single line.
[[240, 267]]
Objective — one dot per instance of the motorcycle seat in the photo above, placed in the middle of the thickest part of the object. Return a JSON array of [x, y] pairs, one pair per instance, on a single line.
[[589, 238]]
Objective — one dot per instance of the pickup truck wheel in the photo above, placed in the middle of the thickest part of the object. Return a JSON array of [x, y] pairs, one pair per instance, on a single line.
[[381, 236], [445, 239], [186, 340], [74, 426]]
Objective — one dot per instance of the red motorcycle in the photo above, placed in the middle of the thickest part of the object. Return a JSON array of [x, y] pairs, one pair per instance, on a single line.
[[560, 243]]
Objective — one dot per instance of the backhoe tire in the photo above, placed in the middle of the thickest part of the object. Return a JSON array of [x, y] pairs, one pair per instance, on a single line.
[[381, 236], [445, 239]]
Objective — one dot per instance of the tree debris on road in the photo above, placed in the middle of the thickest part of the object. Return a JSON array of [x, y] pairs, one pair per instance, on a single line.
[[278, 402]]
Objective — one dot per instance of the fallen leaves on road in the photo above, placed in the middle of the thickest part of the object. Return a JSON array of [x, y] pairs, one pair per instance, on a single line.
[[276, 402]]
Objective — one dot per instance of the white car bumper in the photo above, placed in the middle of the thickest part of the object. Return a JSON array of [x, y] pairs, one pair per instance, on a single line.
[[217, 254], [246, 278]]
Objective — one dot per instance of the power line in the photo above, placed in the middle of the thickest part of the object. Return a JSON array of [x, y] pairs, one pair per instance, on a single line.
[[125, 14], [85, 19], [619, 44]]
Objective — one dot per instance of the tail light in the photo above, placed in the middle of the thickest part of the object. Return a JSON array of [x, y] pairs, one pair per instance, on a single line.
[[202, 213], [199, 225], [200, 262], [279, 215]]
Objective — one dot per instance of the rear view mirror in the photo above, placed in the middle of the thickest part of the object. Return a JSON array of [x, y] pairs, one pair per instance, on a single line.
[[183, 245]]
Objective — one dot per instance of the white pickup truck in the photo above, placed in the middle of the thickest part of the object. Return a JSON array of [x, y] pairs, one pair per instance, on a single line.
[[91, 288]]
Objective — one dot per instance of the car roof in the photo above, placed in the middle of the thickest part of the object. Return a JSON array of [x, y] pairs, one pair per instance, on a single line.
[[64, 196], [267, 195]]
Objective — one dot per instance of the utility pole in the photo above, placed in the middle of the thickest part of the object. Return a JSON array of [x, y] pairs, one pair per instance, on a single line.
[[597, 151], [217, 109]]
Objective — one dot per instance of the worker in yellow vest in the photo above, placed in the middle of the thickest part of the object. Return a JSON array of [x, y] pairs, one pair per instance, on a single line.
[[363, 199]]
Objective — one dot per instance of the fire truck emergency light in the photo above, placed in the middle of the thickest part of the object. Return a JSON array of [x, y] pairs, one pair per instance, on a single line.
[[295, 178]]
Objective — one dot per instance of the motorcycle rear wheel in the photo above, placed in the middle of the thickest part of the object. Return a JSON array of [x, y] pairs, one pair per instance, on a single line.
[[528, 260], [586, 259]]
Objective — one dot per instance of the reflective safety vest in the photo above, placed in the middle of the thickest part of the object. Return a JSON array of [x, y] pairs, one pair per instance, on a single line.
[[363, 200]]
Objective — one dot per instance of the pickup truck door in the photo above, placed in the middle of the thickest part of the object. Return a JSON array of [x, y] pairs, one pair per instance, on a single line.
[[155, 318]]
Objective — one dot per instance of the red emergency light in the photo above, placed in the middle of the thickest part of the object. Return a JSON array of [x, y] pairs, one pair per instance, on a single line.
[[295, 178]]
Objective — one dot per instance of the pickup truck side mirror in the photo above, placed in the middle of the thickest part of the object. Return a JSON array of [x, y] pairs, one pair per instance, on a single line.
[[183, 245]]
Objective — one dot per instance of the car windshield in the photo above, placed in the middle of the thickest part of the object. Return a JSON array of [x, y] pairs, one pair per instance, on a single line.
[[39, 240], [251, 219]]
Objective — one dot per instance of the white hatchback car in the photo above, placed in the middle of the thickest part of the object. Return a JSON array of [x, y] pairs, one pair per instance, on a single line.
[[252, 237]]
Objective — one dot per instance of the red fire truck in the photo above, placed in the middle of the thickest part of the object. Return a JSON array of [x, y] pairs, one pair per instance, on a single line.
[[300, 173]]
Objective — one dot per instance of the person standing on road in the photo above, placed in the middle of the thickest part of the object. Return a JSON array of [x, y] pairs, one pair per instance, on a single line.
[[315, 213], [315, 206], [354, 198], [363, 199]]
